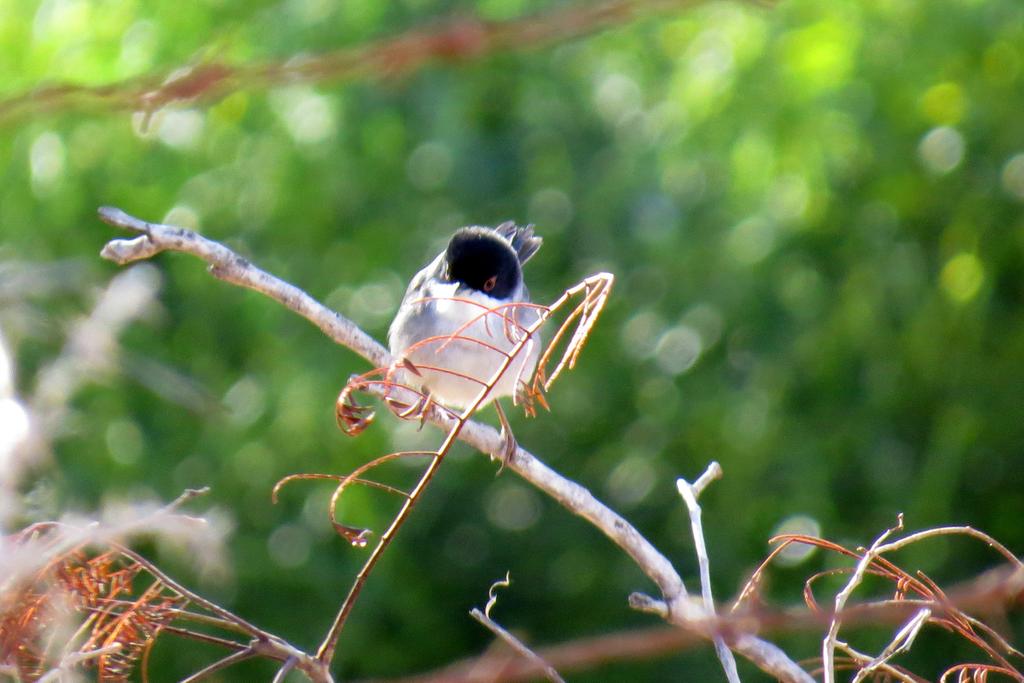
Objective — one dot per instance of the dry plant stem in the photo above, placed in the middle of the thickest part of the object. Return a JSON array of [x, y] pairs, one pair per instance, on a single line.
[[263, 644], [220, 664], [70, 661], [517, 645], [889, 671], [988, 592], [951, 531], [828, 645], [575, 655], [901, 642], [462, 37], [327, 649], [282, 673], [228, 266], [689, 494], [203, 637], [95, 534]]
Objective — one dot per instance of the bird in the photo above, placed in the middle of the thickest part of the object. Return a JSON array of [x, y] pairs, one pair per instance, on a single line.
[[460, 316]]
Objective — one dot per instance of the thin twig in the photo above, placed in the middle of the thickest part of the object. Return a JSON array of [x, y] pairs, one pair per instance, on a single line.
[[987, 592], [689, 494], [263, 643], [204, 637], [901, 642], [73, 659], [282, 673], [712, 473], [519, 646], [642, 602], [828, 645], [952, 531], [860, 659], [325, 653], [220, 664]]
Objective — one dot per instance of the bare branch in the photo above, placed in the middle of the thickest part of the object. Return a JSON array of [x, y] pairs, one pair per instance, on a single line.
[[953, 531], [73, 659], [230, 267], [901, 642], [828, 646], [642, 602], [461, 37], [220, 664], [712, 473], [989, 592], [857, 659], [484, 618], [689, 494]]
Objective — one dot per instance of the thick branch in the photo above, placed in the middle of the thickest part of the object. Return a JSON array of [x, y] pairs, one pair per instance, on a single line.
[[228, 266]]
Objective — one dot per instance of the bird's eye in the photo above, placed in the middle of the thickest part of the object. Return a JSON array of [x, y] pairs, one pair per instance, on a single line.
[[490, 283]]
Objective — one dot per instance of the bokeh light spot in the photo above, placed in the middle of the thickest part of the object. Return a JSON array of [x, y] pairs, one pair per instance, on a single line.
[[820, 57], [795, 553], [124, 441], [944, 104], [14, 426], [308, 116], [941, 149], [138, 45], [678, 349], [707, 320], [252, 464], [551, 209], [655, 218], [289, 545], [180, 129], [429, 165], [1001, 63], [788, 198], [46, 161], [617, 98], [375, 302], [641, 333], [1013, 177], [182, 216], [631, 481], [751, 240], [513, 507], [962, 277], [245, 401]]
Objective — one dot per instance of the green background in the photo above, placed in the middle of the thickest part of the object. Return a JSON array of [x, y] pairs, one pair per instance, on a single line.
[[814, 214]]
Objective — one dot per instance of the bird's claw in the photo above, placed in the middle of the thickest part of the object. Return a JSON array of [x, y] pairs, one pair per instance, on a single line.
[[418, 410], [509, 445]]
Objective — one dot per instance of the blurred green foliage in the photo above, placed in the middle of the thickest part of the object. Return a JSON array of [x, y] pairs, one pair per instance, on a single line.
[[815, 214]]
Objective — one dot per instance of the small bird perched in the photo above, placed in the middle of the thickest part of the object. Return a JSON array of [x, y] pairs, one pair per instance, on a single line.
[[469, 291]]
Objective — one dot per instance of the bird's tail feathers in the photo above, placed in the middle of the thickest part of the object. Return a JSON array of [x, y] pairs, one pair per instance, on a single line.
[[521, 238]]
